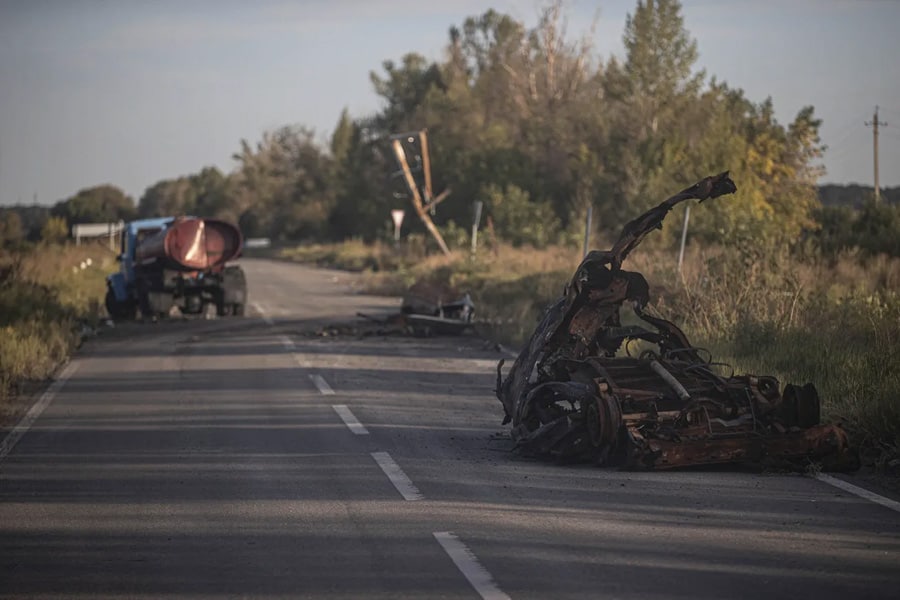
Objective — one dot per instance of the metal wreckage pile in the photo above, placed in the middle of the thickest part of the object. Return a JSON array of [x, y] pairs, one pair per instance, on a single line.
[[569, 396], [425, 310]]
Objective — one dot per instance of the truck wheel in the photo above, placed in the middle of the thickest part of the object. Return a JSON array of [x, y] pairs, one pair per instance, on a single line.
[[143, 294], [116, 309], [223, 309], [234, 286], [238, 310]]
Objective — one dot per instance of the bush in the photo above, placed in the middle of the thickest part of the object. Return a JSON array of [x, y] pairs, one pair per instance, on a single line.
[[875, 229], [45, 295], [521, 220]]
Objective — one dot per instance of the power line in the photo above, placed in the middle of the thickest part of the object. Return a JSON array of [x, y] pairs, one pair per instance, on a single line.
[[847, 127], [842, 146], [891, 134], [891, 112], [849, 145]]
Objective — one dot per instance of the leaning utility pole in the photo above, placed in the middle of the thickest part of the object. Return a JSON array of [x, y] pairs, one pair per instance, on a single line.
[[874, 123], [422, 207]]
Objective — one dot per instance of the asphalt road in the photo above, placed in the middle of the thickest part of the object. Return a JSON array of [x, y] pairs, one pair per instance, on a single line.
[[246, 458]]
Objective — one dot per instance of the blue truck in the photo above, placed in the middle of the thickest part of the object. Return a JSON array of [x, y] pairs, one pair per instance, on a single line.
[[180, 262]]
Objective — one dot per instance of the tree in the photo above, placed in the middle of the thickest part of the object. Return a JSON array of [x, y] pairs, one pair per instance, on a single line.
[[649, 95], [169, 197], [534, 122], [55, 231], [403, 88], [98, 204], [363, 189], [874, 228], [12, 233], [204, 194], [213, 195], [344, 136], [660, 58], [284, 187], [521, 220]]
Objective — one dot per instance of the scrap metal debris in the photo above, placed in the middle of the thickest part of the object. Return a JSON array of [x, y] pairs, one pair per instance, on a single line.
[[428, 309], [570, 396]]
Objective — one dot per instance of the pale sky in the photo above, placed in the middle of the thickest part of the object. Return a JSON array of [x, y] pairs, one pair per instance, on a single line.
[[130, 92]]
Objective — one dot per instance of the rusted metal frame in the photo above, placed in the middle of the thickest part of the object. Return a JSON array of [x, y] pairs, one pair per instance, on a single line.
[[635, 230], [664, 454], [730, 419]]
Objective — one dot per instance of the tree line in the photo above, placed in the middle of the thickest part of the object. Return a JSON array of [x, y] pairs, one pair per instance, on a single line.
[[529, 121]]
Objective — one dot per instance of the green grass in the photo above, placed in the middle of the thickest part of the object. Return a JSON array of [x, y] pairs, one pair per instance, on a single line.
[[849, 349]]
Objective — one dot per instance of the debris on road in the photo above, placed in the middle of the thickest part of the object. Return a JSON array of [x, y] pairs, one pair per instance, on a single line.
[[429, 309], [571, 395]]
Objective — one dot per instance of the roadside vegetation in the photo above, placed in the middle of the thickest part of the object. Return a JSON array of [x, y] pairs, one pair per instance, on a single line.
[[50, 294]]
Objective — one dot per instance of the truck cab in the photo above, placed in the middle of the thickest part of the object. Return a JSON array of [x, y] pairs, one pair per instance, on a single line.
[[120, 283]]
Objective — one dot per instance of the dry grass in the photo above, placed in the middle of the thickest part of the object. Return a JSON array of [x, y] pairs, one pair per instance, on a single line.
[[45, 298], [834, 324]]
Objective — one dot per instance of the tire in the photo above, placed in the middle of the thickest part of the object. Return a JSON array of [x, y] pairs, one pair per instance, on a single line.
[[809, 408], [238, 310], [223, 309], [143, 294], [118, 310], [234, 286]]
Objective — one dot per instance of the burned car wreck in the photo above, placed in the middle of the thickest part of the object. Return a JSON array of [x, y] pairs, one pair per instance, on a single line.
[[571, 395]]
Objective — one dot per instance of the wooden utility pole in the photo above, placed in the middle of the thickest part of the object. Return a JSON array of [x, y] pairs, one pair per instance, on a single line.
[[418, 205], [874, 123], [426, 167]]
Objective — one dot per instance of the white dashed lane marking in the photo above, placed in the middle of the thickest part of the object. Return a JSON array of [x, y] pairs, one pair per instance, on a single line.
[[393, 471], [322, 385], [318, 380], [350, 419], [469, 566]]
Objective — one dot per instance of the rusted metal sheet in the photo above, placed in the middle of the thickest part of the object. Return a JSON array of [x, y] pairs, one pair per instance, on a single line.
[[571, 394]]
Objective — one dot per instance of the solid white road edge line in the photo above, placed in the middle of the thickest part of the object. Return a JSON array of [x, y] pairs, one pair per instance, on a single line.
[[469, 566], [322, 385], [35, 411], [393, 471], [350, 419], [858, 491], [266, 318]]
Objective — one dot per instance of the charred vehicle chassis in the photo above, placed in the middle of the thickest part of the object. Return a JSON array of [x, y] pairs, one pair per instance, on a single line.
[[570, 396]]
